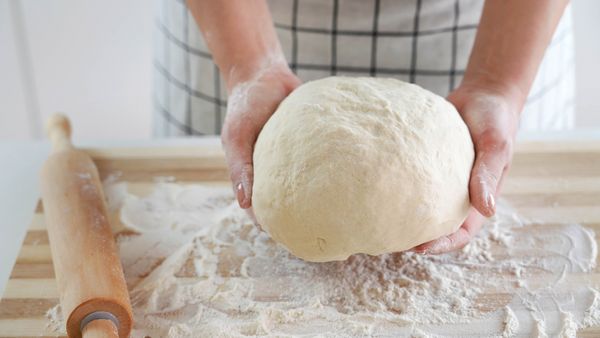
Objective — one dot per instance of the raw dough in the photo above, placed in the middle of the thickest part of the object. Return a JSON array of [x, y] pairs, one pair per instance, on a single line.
[[361, 165]]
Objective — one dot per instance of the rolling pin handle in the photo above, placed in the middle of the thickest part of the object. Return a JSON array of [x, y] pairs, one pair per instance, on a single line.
[[58, 129], [100, 328], [99, 324]]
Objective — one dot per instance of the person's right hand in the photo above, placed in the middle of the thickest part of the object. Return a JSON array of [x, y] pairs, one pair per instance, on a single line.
[[253, 99]]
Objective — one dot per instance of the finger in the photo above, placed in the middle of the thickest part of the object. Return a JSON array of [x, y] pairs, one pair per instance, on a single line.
[[250, 213], [485, 178], [242, 175], [455, 240], [238, 153]]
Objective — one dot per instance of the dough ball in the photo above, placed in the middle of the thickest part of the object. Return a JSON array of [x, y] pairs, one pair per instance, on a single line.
[[361, 165]]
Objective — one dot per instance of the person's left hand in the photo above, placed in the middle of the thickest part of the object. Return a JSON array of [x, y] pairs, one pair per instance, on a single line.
[[492, 119]]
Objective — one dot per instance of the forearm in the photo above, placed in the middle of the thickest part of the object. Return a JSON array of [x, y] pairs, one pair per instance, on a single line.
[[240, 35], [511, 40]]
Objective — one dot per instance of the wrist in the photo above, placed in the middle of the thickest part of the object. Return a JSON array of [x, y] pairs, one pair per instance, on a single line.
[[508, 91], [484, 107], [244, 70]]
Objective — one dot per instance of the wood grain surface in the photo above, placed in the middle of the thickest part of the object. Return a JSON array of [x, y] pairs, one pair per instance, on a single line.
[[551, 182]]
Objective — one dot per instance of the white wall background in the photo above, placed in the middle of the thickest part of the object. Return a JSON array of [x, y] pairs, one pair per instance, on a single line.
[[93, 60], [586, 20], [90, 59]]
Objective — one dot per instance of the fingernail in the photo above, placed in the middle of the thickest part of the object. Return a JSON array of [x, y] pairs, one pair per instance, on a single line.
[[239, 193], [246, 189], [490, 203]]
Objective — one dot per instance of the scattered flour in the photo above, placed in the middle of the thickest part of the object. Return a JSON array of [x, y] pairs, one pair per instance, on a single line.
[[569, 328], [511, 323], [55, 319], [197, 266]]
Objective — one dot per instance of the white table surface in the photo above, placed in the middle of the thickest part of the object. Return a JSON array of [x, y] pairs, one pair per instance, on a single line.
[[19, 182]]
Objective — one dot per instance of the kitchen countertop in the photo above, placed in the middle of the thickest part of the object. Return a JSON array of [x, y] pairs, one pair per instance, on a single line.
[[19, 181], [19, 186]]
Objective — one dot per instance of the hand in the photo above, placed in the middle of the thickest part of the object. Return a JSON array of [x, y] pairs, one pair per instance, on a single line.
[[492, 119], [253, 99]]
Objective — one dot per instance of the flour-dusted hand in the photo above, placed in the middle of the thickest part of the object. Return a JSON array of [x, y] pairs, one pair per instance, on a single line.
[[242, 39], [252, 100], [492, 120], [512, 37]]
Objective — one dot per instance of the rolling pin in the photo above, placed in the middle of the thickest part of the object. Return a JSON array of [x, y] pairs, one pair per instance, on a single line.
[[91, 284]]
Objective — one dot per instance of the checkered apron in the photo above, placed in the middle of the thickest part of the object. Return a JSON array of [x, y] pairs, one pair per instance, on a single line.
[[426, 42]]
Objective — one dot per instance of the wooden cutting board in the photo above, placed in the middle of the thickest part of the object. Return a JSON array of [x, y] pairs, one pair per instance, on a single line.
[[549, 181]]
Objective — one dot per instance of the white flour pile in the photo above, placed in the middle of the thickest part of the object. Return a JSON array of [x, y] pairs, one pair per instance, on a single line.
[[199, 268]]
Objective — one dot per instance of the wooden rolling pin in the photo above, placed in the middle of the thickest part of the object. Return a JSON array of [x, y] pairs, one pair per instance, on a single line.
[[91, 285]]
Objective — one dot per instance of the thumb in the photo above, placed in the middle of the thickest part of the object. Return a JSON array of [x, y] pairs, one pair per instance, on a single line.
[[241, 171], [485, 178]]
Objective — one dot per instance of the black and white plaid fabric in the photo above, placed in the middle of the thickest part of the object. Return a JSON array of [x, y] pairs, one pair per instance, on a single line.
[[426, 42]]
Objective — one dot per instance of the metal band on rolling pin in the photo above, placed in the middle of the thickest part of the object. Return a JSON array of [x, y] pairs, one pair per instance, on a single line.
[[98, 315]]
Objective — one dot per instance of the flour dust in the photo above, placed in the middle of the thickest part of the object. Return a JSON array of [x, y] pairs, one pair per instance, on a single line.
[[196, 266]]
